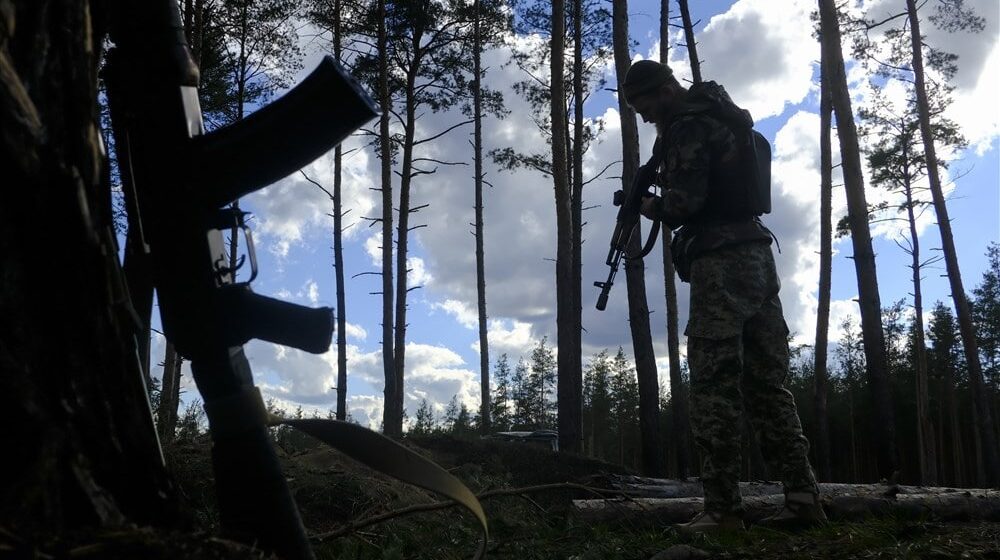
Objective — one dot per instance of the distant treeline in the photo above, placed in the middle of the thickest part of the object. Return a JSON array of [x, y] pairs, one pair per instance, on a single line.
[[523, 397]]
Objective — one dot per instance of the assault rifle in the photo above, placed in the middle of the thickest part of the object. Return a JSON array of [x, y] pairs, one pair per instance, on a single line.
[[178, 182], [629, 203]]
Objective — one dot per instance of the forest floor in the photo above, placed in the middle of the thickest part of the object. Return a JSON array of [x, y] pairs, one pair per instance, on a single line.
[[333, 491]]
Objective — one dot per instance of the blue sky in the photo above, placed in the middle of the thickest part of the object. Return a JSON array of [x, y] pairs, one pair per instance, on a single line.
[[767, 63]]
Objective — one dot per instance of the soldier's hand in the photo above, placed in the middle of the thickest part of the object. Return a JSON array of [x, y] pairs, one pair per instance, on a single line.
[[650, 207]]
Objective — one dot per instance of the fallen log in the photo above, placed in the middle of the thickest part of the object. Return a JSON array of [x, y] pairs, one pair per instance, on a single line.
[[690, 488], [967, 505]]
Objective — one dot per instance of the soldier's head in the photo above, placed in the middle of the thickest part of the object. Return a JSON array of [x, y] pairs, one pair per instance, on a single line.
[[652, 90]]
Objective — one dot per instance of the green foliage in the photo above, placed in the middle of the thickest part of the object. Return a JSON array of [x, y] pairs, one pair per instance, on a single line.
[[262, 52], [457, 418], [424, 423], [500, 405], [986, 315]]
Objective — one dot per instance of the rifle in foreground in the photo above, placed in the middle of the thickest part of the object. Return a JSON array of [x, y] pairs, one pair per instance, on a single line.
[[629, 203], [178, 183]]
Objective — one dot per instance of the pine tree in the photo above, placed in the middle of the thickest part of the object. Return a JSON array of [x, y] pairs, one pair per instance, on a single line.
[[597, 401], [500, 413], [424, 422], [541, 383], [625, 407]]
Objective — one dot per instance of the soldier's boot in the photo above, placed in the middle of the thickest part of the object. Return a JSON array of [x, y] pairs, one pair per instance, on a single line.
[[801, 510], [708, 522]]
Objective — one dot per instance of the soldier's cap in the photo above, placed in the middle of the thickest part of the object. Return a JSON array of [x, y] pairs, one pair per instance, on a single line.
[[643, 77]]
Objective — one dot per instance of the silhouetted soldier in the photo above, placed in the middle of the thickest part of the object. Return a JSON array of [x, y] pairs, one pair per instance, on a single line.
[[737, 336]]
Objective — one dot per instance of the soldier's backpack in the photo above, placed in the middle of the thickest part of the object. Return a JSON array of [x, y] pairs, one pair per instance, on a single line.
[[754, 146]]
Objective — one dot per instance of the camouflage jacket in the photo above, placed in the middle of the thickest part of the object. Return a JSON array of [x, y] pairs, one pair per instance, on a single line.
[[701, 173]]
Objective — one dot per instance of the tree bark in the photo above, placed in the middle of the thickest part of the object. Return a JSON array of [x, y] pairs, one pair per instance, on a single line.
[[864, 257], [926, 449], [984, 426], [80, 447], [982, 505], [477, 135], [391, 423], [638, 309], [689, 41], [402, 235], [566, 388], [678, 390], [822, 440], [571, 413], [166, 421], [338, 244]]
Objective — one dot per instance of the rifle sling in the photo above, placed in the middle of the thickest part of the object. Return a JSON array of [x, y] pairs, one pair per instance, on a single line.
[[231, 415], [391, 458]]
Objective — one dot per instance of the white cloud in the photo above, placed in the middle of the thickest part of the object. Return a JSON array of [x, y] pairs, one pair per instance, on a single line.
[[765, 60], [464, 314]]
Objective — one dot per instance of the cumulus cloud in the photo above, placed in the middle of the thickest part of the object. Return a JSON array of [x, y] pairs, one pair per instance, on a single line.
[[767, 65], [764, 60]]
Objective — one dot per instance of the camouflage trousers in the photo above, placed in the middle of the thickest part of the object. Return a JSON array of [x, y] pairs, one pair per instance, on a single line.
[[738, 355]]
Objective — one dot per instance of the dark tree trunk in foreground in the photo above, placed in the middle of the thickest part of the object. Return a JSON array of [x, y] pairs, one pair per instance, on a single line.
[[822, 440], [567, 385], [869, 302], [984, 424], [80, 448], [635, 270], [678, 390]]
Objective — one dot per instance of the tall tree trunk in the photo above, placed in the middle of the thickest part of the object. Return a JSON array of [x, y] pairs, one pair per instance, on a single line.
[[402, 239], [567, 386], [638, 309], [689, 41], [955, 433], [925, 429], [389, 419], [338, 243], [170, 386], [864, 257], [79, 446], [477, 135], [991, 460], [678, 390], [573, 410], [822, 440]]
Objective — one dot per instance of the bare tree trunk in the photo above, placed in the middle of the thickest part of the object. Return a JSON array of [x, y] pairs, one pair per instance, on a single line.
[[170, 387], [338, 245], [571, 412], [566, 386], [692, 45], [477, 110], [79, 445], [642, 340], [678, 391], [864, 257], [822, 440], [954, 433], [984, 426], [390, 420], [925, 429], [402, 243]]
